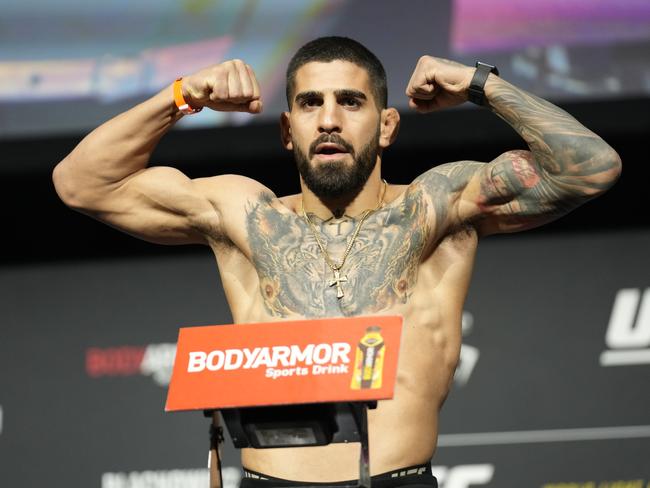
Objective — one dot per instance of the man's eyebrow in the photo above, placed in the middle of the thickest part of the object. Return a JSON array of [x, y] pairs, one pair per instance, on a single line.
[[306, 95], [349, 93], [343, 93]]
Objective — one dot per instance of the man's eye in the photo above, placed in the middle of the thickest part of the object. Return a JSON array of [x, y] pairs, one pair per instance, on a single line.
[[310, 102], [350, 102]]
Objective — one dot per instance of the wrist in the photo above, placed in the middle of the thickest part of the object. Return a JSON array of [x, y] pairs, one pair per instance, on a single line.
[[168, 108], [181, 98], [492, 86]]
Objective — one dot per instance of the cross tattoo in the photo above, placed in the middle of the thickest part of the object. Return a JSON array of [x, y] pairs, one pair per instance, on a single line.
[[338, 279]]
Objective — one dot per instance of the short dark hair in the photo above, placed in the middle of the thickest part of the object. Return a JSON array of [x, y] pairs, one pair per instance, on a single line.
[[333, 48]]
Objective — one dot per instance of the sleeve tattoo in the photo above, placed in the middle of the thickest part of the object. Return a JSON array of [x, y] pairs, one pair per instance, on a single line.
[[566, 166]]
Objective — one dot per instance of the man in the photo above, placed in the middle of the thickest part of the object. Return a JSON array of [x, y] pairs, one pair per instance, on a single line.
[[349, 243]]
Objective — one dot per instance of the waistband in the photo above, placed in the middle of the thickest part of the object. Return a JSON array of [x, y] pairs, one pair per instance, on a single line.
[[420, 470]]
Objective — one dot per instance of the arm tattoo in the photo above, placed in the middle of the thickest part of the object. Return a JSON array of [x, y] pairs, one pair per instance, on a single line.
[[381, 267], [571, 162], [566, 166], [515, 189]]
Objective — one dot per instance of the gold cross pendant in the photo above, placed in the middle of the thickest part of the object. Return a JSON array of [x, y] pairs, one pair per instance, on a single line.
[[338, 279]]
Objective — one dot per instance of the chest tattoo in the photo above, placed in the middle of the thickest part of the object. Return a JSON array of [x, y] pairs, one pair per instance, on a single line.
[[381, 268]]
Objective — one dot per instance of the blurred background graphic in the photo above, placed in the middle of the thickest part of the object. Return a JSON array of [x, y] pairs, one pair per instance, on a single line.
[[81, 62]]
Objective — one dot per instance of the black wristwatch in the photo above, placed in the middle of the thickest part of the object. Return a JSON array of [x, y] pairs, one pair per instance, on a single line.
[[475, 92]]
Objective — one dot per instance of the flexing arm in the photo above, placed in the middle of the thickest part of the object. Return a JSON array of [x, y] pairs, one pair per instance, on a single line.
[[106, 175], [566, 166]]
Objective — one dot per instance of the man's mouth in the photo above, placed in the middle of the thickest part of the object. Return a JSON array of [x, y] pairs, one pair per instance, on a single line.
[[330, 150]]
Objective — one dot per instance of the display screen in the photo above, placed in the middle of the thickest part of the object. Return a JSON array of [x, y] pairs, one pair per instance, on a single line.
[[69, 65]]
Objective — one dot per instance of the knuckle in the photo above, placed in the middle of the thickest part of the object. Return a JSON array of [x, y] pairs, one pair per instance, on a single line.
[[221, 91], [220, 71]]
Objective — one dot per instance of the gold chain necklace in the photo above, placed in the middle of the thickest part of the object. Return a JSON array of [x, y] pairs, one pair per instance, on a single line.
[[338, 279]]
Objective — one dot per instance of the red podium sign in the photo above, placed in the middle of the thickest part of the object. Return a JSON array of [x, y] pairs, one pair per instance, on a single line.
[[280, 363]]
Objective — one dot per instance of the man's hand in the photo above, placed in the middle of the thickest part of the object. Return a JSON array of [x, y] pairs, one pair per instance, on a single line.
[[438, 83], [227, 87]]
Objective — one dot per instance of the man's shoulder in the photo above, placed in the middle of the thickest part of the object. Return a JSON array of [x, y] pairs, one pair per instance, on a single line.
[[234, 180], [291, 201], [232, 189], [439, 192]]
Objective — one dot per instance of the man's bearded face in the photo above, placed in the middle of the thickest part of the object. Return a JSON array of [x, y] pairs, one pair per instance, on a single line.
[[336, 177]]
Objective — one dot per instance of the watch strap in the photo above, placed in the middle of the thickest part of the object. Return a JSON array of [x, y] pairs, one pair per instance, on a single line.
[[476, 93]]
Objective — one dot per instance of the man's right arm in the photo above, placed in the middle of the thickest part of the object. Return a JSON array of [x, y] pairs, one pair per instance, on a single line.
[[106, 175]]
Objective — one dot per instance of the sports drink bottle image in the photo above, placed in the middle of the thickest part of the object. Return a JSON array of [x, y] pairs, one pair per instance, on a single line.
[[369, 360]]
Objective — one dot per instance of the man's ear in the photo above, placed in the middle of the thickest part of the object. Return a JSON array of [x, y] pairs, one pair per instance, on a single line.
[[285, 131], [389, 127]]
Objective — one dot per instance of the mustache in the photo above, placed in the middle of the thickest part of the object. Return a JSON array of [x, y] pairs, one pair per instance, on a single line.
[[331, 138]]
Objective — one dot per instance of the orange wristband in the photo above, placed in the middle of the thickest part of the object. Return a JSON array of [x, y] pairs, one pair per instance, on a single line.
[[180, 102]]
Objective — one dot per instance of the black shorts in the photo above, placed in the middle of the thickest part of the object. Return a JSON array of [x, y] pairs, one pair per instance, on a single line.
[[413, 477]]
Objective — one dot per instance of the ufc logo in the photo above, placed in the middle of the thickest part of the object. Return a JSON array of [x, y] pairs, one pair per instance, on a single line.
[[463, 476], [628, 331]]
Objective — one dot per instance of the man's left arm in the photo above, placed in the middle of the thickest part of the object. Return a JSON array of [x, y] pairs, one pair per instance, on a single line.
[[566, 165]]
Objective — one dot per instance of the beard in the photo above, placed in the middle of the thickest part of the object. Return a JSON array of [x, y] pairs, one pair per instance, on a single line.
[[334, 179]]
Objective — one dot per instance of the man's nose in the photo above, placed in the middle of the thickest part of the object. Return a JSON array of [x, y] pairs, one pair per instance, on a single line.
[[328, 118]]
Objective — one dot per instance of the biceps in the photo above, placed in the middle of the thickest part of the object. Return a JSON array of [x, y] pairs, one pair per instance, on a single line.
[[513, 193]]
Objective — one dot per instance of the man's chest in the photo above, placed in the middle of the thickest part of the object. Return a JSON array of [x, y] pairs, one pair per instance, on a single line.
[[335, 267]]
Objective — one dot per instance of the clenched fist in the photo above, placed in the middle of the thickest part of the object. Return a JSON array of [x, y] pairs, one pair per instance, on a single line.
[[438, 83], [227, 87]]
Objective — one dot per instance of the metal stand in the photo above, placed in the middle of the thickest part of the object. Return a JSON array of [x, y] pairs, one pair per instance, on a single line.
[[361, 410], [302, 426]]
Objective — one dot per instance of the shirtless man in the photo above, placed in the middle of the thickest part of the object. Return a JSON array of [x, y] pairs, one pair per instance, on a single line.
[[404, 249]]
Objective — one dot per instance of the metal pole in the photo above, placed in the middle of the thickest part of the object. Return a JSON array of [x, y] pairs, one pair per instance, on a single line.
[[364, 458]]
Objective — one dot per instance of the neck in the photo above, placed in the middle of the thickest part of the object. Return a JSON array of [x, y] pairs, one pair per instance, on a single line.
[[369, 197]]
